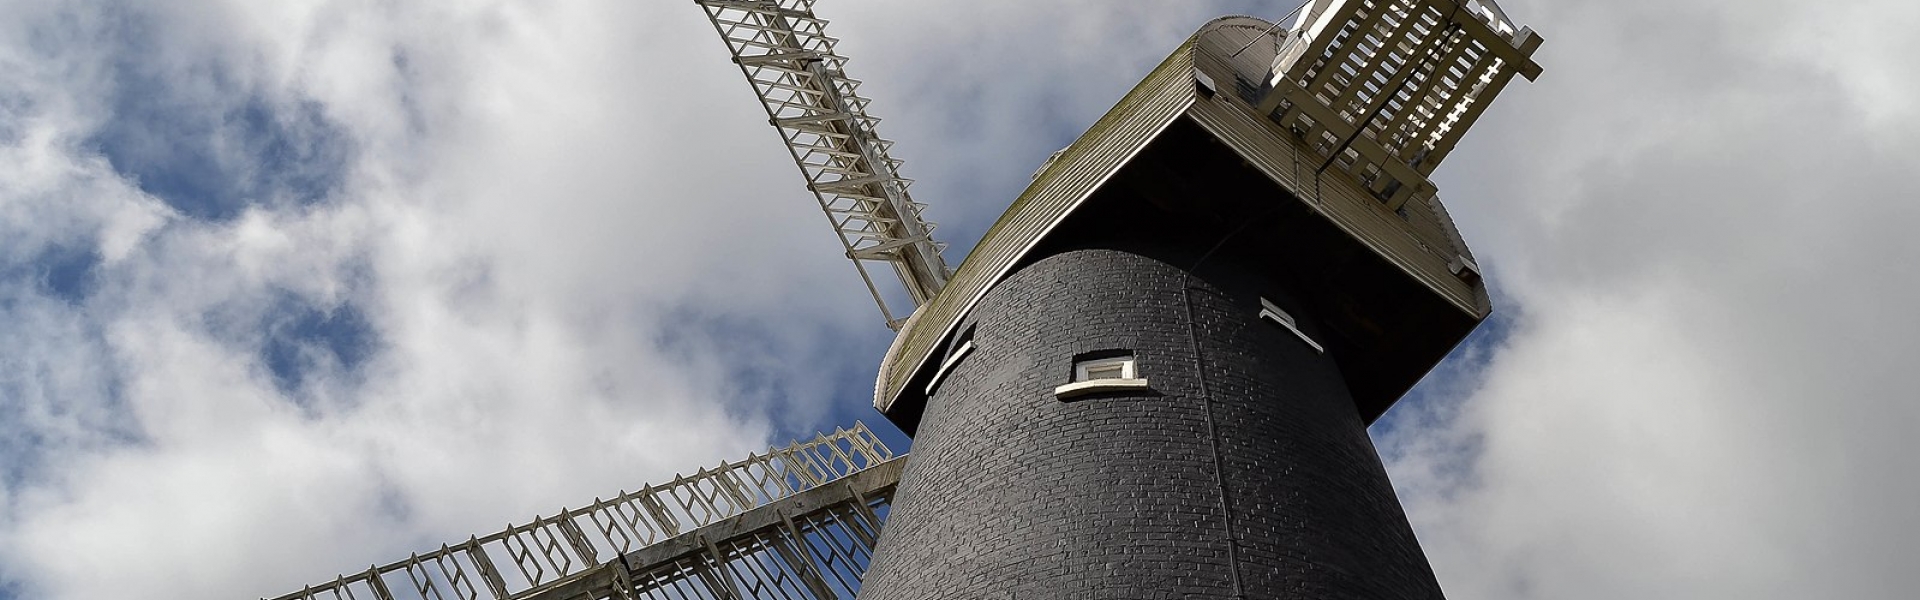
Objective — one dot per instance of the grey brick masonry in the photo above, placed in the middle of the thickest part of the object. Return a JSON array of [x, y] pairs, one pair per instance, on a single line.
[[1012, 493]]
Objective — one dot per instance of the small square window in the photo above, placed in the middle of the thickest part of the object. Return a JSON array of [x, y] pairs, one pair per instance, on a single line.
[[1107, 373], [1118, 367]]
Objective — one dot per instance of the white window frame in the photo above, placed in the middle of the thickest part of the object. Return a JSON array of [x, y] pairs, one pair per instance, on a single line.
[[1083, 370], [947, 365], [1084, 383], [1271, 312]]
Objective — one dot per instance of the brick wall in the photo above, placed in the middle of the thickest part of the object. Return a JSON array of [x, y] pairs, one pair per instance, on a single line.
[[1012, 493]]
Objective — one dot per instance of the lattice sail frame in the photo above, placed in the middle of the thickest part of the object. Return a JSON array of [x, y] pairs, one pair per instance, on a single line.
[[820, 555], [1383, 89], [807, 552], [786, 55]]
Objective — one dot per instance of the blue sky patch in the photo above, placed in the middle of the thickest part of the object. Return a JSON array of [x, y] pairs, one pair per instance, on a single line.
[[13, 111], [1449, 384], [212, 166], [805, 384], [50, 401], [67, 272], [300, 338], [207, 144], [21, 448]]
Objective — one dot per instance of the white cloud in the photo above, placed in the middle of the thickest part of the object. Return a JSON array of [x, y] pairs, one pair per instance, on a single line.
[[585, 263], [1698, 212], [535, 225]]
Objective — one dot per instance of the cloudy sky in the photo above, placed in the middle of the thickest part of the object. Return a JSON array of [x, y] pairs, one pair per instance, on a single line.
[[291, 287]]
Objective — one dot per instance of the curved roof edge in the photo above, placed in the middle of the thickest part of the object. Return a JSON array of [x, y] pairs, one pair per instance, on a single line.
[[1061, 186], [1217, 80]]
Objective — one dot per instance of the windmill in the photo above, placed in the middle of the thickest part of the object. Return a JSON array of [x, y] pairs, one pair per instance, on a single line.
[[1155, 372], [1152, 377]]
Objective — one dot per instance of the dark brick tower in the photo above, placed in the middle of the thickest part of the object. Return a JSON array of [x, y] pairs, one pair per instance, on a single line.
[[1250, 445], [1153, 378]]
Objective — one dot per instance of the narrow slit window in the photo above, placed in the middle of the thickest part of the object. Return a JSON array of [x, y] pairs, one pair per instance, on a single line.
[[962, 346], [1271, 312]]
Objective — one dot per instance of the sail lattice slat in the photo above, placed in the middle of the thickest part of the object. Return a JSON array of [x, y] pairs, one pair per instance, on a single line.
[[790, 61], [805, 515], [1382, 89]]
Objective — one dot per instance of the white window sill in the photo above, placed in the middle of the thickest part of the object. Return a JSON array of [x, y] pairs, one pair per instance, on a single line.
[[1093, 386]]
